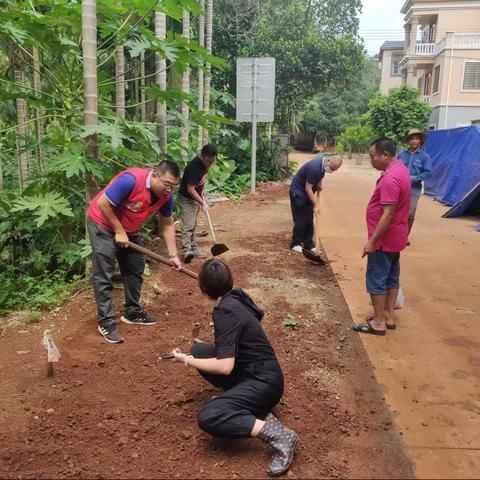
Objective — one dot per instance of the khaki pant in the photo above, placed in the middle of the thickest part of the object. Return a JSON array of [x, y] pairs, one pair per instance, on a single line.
[[188, 219]]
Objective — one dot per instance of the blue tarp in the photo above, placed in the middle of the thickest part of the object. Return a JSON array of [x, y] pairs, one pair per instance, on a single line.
[[456, 166], [470, 205]]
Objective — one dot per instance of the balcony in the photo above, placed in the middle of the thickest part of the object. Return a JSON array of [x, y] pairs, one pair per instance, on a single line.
[[464, 41], [425, 98], [424, 49]]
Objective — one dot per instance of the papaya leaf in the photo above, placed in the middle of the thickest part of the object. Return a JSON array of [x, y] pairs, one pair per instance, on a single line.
[[44, 206], [86, 249]]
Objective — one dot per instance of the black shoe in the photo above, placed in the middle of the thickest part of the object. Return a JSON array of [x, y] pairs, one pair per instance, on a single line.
[[140, 320], [110, 333], [284, 442], [188, 257]]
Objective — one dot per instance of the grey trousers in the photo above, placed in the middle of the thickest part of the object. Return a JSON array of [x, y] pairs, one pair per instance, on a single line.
[[132, 265], [414, 205], [188, 219]]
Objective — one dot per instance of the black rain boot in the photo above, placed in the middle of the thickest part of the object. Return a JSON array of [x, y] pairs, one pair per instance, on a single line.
[[284, 442]]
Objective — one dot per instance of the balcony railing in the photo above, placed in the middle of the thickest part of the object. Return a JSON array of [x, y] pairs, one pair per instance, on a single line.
[[459, 41], [424, 49], [467, 40], [425, 98]]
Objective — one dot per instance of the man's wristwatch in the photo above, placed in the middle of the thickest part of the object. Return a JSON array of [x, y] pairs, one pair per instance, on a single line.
[[173, 255]]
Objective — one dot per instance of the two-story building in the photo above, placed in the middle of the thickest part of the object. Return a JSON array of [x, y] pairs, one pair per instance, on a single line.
[[442, 58], [391, 55]]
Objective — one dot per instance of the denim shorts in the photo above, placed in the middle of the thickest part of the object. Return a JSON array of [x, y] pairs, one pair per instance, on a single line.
[[383, 272]]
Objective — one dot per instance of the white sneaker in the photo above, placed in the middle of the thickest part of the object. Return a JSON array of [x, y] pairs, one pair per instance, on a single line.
[[313, 250], [297, 248]]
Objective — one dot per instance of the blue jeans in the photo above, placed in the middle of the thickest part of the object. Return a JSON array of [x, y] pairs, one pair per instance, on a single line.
[[383, 272]]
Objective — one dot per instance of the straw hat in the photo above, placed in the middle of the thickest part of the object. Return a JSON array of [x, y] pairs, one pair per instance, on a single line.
[[414, 131]]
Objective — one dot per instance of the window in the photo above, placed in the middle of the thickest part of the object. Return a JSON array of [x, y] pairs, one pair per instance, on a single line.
[[436, 79], [471, 75], [396, 59], [427, 84]]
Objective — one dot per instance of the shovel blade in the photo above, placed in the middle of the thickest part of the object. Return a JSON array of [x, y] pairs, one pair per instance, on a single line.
[[218, 249], [313, 257]]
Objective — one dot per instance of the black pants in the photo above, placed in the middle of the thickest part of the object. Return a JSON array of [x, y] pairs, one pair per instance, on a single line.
[[302, 213], [233, 414], [132, 265]]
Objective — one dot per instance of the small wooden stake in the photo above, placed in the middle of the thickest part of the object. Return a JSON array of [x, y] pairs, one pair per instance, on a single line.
[[49, 369]]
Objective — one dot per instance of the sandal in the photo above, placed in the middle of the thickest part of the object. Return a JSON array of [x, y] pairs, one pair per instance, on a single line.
[[367, 328], [390, 327]]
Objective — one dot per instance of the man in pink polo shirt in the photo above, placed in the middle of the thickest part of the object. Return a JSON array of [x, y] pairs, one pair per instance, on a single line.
[[387, 223]]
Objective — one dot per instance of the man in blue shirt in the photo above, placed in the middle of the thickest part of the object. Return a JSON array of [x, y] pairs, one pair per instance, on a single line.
[[304, 200], [419, 165]]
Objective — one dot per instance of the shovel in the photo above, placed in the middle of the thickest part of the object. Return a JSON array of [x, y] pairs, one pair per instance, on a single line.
[[315, 257], [160, 259], [218, 248]]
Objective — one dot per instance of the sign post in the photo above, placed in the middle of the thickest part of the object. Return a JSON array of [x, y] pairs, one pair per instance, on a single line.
[[255, 98]]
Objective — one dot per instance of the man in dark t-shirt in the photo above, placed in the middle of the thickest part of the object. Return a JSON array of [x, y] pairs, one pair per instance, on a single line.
[[191, 200], [304, 199]]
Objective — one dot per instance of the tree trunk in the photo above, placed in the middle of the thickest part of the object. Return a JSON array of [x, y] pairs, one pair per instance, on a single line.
[[201, 41], [208, 44], [185, 86], [161, 79], [136, 89], [39, 112], [120, 82], [1, 169], [142, 88], [22, 122], [89, 45]]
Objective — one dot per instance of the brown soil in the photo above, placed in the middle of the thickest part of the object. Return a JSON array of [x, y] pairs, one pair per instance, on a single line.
[[117, 411]]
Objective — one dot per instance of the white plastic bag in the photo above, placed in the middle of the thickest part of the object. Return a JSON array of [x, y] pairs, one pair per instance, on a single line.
[[400, 303], [49, 344]]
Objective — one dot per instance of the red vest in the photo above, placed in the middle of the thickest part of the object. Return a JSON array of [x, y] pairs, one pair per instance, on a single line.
[[135, 210]]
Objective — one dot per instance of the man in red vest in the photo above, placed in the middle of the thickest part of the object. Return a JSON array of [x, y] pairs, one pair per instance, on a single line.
[[115, 217]]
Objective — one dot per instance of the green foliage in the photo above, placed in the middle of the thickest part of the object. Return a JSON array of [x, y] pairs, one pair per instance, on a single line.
[[393, 115], [290, 321], [43, 207], [314, 42], [329, 113], [31, 291], [356, 138]]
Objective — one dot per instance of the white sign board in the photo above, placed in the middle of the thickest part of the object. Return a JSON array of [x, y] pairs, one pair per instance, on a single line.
[[255, 80], [255, 98]]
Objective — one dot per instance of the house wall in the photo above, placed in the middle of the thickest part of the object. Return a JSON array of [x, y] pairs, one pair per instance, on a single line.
[[389, 81], [456, 96], [455, 116], [458, 20]]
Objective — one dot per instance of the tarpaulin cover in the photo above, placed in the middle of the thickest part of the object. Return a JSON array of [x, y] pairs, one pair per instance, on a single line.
[[470, 205], [456, 166]]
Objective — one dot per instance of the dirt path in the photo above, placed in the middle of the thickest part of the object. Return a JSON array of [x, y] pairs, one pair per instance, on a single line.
[[429, 368], [118, 412]]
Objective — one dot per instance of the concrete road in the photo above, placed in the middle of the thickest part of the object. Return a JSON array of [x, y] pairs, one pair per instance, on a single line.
[[429, 368]]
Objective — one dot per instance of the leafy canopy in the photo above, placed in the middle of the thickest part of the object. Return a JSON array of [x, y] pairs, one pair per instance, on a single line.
[[393, 115]]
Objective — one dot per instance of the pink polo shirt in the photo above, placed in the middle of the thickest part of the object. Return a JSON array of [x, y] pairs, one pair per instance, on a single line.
[[394, 187]]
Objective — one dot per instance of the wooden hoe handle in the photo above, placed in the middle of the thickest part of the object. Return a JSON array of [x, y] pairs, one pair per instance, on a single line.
[[161, 259]]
